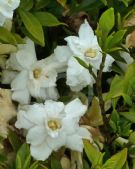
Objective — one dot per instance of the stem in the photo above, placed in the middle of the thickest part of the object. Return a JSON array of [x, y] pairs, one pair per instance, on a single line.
[[101, 101], [99, 88]]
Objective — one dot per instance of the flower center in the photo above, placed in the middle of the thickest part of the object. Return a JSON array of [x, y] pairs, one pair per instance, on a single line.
[[54, 124], [90, 53], [37, 73]]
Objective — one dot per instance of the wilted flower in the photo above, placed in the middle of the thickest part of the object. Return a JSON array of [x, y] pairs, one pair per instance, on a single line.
[[52, 126], [7, 8], [87, 48]]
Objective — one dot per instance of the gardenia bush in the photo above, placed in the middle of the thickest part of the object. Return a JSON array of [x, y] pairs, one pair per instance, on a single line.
[[67, 84]]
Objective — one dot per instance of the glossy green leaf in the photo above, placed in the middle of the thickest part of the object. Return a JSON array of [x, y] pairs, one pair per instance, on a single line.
[[116, 161], [106, 22], [94, 156], [23, 157], [47, 19], [33, 26], [6, 36]]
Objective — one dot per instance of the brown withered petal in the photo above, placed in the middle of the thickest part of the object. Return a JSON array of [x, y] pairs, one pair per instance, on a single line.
[[130, 21], [7, 110], [130, 40]]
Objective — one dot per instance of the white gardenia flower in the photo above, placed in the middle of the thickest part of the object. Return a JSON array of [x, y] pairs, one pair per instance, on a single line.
[[128, 59], [35, 78], [53, 125], [7, 8], [87, 48]]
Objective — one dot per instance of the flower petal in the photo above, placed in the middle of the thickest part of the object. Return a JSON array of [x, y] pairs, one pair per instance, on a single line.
[[57, 142], [84, 133], [21, 96], [75, 108], [74, 142], [108, 63], [86, 33], [77, 76], [22, 121], [40, 152], [8, 76], [25, 51], [54, 109], [20, 82], [36, 135]]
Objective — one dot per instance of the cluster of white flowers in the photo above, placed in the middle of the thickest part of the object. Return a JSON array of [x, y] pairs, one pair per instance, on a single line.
[[53, 124], [7, 8]]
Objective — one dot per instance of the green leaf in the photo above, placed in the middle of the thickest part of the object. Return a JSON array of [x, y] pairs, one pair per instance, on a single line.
[[81, 62], [115, 39], [55, 164], [33, 26], [129, 115], [47, 19], [116, 161], [104, 2], [122, 87], [6, 36], [23, 157], [14, 140], [41, 4], [94, 156], [26, 4], [106, 22], [34, 165]]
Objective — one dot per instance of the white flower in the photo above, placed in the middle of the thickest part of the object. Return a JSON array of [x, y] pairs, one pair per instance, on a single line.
[[78, 77], [128, 59], [52, 126], [35, 78], [87, 48], [7, 8]]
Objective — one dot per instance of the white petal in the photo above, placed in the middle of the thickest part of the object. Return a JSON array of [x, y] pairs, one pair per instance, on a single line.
[[54, 109], [40, 152], [34, 88], [26, 54], [51, 93], [70, 125], [63, 54], [75, 45], [74, 142], [57, 142], [36, 135], [75, 108], [108, 63], [84, 133], [77, 76], [8, 76], [22, 121], [126, 56], [20, 82], [21, 96], [36, 114], [86, 33]]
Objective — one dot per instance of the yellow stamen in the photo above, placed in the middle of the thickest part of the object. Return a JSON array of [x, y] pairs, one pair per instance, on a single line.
[[54, 124], [90, 53], [37, 73]]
